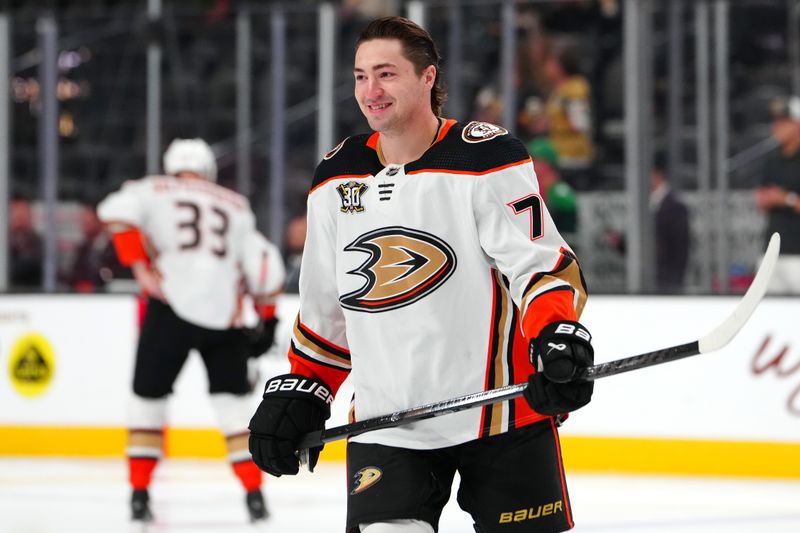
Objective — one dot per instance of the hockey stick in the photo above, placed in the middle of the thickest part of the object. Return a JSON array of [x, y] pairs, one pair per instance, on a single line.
[[712, 341]]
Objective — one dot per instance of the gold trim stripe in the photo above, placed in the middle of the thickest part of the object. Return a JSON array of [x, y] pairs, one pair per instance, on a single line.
[[501, 327], [581, 454], [238, 443], [145, 439], [314, 347], [571, 274], [682, 457]]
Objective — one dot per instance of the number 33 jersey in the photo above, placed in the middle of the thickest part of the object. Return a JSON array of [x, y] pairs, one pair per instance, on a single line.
[[418, 280], [201, 238]]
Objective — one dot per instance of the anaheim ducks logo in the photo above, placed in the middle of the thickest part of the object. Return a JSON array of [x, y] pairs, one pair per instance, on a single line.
[[366, 478], [404, 265], [476, 132]]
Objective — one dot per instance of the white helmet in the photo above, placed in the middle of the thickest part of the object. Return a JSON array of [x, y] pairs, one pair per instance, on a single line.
[[190, 155]]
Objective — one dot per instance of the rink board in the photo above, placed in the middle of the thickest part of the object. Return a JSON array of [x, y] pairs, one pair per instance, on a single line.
[[67, 367]]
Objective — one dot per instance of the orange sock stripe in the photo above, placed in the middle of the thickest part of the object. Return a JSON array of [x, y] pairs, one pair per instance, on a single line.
[[140, 471], [248, 473]]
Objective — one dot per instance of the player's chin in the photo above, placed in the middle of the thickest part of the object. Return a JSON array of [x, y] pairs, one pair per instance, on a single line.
[[377, 124]]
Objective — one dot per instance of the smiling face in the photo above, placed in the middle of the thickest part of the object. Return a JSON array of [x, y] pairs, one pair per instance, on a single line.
[[390, 93]]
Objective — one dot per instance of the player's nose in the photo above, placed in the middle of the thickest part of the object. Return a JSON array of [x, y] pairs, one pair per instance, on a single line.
[[374, 89]]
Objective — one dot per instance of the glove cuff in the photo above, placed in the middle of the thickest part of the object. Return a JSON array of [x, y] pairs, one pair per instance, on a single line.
[[297, 386]]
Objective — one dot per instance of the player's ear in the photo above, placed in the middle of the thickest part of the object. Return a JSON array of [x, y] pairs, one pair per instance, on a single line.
[[429, 76]]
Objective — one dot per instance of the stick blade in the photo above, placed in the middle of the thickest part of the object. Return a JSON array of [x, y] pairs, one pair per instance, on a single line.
[[727, 330]]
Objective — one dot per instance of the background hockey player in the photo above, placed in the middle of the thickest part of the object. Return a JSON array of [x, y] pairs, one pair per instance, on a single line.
[[431, 266], [195, 252]]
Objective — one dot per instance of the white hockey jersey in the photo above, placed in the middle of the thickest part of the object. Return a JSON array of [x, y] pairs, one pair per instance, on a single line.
[[203, 241], [417, 277]]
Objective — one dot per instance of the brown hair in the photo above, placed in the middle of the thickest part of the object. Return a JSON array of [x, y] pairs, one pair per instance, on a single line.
[[418, 47]]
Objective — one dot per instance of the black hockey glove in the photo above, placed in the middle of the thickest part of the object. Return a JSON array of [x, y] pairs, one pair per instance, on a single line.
[[292, 406], [262, 336], [560, 351]]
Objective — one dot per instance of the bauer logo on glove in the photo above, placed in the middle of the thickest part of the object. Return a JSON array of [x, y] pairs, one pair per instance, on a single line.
[[292, 406], [303, 386]]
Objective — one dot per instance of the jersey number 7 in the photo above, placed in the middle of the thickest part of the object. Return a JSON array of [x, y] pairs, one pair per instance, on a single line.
[[533, 205]]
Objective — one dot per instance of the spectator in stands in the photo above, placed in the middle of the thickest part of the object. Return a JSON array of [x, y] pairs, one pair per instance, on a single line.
[[671, 228], [293, 251], [559, 197], [532, 52], [777, 196], [26, 248], [671, 221], [95, 262], [568, 114]]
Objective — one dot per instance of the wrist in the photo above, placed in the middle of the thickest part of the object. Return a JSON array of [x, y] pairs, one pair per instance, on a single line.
[[265, 311], [791, 200]]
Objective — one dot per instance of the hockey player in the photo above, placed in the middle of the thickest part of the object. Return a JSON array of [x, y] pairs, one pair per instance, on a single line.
[[195, 252], [431, 270]]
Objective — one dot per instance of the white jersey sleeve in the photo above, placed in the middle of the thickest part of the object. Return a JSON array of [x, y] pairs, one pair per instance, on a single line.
[[318, 336], [517, 233], [125, 206], [262, 265]]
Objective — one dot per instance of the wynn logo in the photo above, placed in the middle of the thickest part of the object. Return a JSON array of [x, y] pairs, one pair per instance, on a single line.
[[782, 365]]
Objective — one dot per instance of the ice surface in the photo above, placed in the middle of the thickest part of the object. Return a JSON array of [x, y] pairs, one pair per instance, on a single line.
[[91, 496]]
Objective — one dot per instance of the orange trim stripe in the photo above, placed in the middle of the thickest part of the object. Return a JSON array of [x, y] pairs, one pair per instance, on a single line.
[[482, 173], [340, 177], [318, 355], [333, 377], [372, 142], [445, 128], [558, 266], [567, 507], [548, 307]]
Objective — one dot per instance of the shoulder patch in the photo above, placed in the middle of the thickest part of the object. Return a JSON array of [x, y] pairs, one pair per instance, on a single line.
[[462, 150], [335, 149], [476, 132], [350, 158]]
